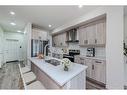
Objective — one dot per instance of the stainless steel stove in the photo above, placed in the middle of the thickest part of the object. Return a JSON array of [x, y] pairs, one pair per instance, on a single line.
[[71, 54]]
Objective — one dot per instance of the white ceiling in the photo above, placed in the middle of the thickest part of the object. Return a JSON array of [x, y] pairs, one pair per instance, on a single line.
[[40, 15]]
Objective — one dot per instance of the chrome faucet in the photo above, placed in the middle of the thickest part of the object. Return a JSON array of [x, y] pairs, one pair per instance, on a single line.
[[45, 49]]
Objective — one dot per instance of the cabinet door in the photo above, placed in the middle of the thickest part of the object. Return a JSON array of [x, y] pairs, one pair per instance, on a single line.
[[54, 40], [91, 34], [101, 33], [99, 71], [88, 62], [79, 60], [82, 36], [63, 39], [76, 59], [58, 40]]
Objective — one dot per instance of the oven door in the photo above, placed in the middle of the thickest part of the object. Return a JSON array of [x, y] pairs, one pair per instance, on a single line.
[[71, 58]]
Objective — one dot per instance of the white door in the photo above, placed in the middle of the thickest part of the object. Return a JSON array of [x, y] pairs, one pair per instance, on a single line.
[[11, 50]]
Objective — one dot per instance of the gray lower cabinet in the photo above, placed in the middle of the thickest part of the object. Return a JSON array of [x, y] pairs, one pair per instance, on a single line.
[[96, 68], [99, 71], [89, 71]]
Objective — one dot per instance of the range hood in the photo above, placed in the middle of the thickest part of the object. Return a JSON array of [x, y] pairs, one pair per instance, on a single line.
[[72, 36]]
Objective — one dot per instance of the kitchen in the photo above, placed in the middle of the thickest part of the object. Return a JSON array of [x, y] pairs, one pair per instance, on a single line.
[[85, 41]]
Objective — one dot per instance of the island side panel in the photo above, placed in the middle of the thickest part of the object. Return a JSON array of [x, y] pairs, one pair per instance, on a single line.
[[43, 78], [78, 82]]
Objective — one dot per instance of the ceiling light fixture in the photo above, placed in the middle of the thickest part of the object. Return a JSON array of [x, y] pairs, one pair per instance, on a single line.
[[12, 13], [50, 25], [24, 32], [19, 31], [80, 6], [12, 23]]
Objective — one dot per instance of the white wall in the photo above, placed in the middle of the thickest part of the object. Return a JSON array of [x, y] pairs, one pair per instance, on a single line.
[[1, 47], [114, 42], [27, 39], [125, 40], [125, 29], [20, 38], [114, 48]]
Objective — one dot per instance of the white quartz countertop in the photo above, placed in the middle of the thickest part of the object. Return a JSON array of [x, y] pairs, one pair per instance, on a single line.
[[96, 57], [56, 72]]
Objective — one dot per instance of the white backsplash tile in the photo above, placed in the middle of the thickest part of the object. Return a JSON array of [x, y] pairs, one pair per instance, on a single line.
[[99, 51]]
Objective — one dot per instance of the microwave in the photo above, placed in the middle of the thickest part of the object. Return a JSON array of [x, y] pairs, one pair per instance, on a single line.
[[90, 52]]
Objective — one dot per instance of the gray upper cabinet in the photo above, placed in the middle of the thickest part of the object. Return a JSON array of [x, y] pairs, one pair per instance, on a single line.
[[59, 40], [82, 36], [91, 30], [93, 34], [101, 33]]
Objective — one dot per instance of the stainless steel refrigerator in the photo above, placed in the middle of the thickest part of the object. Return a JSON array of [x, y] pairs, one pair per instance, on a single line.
[[37, 46]]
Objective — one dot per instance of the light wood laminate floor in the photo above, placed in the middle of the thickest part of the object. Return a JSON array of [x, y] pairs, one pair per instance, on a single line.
[[9, 76]]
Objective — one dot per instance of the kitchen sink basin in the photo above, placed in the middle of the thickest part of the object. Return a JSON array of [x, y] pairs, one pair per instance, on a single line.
[[53, 62]]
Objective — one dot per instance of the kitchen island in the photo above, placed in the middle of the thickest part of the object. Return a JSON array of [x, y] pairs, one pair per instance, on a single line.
[[54, 77]]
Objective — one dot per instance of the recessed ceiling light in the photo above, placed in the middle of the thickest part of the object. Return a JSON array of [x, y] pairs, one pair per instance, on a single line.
[[50, 25], [12, 23], [24, 32], [80, 6], [12, 13], [19, 31]]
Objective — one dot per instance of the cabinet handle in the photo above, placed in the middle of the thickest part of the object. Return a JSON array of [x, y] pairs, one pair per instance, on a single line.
[[81, 59], [86, 41], [82, 63], [98, 61], [95, 41], [92, 67]]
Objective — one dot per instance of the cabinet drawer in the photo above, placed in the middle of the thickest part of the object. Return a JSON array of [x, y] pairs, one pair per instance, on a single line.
[[98, 61]]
